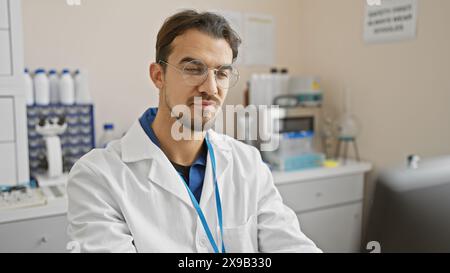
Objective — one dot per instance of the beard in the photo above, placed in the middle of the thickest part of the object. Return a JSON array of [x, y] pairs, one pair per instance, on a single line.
[[193, 116]]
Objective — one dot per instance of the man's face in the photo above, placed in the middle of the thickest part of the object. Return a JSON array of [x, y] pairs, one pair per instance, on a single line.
[[214, 53]]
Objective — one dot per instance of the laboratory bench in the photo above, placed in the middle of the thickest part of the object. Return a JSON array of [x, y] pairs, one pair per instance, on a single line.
[[327, 201], [37, 229]]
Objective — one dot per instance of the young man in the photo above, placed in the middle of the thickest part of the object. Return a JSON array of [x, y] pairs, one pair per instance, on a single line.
[[154, 192]]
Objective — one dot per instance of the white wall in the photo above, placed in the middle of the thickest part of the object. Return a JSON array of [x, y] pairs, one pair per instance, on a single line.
[[115, 40], [401, 91]]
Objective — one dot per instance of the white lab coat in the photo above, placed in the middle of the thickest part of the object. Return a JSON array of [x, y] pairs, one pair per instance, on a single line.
[[129, 198]]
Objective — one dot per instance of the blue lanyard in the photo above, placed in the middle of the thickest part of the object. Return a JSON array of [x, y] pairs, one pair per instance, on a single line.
[[218, 203]]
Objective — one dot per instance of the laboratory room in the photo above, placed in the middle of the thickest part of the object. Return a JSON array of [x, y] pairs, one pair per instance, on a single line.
[[212, 126]]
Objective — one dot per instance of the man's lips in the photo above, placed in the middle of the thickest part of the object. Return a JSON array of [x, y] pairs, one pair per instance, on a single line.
[[206, 103]]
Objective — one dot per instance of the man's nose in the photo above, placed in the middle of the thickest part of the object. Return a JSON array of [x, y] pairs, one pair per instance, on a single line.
[[209, 86]]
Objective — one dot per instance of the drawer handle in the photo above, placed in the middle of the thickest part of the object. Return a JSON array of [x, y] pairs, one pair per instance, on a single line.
[[319, 194], [44, 240]]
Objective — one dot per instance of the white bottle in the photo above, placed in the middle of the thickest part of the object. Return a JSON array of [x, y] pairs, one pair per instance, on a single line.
[[82, 95], [41, 88], [275, 83], [66, 88], [284, 81], [29, 88], [107, 136], [54, 87]]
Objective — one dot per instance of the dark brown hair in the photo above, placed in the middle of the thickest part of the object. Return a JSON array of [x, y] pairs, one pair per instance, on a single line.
[[209, 23]]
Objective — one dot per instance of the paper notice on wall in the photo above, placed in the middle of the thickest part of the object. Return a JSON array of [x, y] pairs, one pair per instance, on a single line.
[[259, 43], [390, 20]]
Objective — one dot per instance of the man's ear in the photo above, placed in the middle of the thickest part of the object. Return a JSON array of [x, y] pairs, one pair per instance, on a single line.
[[157, 75]]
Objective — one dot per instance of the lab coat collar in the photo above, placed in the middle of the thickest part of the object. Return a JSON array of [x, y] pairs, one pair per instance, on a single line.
[[136, 146]]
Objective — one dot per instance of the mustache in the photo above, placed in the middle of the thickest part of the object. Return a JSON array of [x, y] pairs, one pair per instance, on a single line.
[[207, 98]]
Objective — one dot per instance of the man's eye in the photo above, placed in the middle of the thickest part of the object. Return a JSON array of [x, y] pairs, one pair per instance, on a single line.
[[194, 70], [223, 74]]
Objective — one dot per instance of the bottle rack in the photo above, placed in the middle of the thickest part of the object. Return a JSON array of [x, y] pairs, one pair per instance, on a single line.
[[77, 140]]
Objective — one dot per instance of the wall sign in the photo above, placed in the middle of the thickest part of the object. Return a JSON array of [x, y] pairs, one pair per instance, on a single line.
[[390, 20]]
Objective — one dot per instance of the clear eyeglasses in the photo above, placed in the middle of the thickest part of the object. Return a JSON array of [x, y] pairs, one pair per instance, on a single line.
[[195, 73]]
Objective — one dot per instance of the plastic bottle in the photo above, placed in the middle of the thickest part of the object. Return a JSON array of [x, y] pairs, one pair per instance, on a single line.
[[66, 88], [284, 88], [274, 91], [29, 88], [107, 136], [41, 87], [54, 86], [82, 95]]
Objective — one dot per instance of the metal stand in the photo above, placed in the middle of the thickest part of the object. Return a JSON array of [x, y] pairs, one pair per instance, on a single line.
[[346, 142]]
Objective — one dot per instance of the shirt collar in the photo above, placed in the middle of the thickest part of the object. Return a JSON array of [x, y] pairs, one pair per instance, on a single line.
[[146, 121]]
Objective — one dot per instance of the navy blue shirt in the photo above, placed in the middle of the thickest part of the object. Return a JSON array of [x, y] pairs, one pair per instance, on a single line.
[[193, 175]]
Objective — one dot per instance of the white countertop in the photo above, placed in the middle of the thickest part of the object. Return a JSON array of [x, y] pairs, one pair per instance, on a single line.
[[352, 167], [58, 206], [54, 207]]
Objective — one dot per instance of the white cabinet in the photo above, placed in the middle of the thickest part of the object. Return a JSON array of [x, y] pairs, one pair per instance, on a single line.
[[38, 235], [4, 16], [13, 133], [324, 192], [8, 168], [7, 126], [11, 48], [5, 53], [328, 203], [334, 230]]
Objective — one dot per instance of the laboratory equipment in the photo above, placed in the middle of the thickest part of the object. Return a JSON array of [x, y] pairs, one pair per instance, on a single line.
[[328, 136], [295, 143], [107, 136], [348, 129], [264, 88], [67, 88], [21, 197], [295, 152], [29, 87], [301, 91], [77, 140], [28, 196], [82, 94], [50, 129], [294, 162], [54, 86], [41, 87], [299, 119], [411, 206], [294, 138]]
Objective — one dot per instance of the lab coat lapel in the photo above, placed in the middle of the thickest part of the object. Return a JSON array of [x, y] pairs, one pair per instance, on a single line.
[[223, 164], [137, 146]]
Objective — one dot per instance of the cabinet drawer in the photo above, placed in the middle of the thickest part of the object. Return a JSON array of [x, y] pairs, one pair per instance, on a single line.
[[321, 193], [7, 119], [334, 230], [38, 235], [8, 168], [4, 14], [5, 53]]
